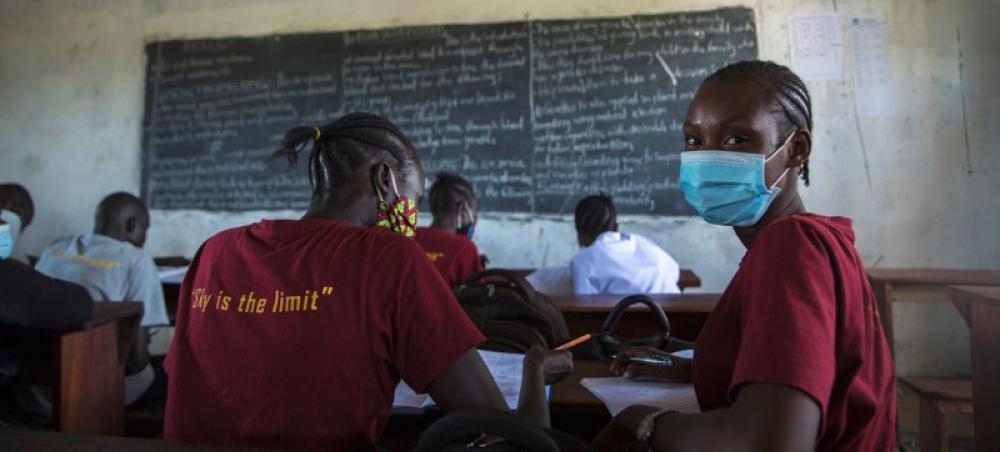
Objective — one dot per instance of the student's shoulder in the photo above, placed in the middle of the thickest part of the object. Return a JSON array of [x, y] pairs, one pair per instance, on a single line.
[[62, 243], [392, 249], [427, 236], [804, 236], [807, 227], [226, 236]]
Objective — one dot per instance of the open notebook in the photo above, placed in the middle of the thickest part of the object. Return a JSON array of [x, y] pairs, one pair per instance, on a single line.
[[506, 370], [619, 393]]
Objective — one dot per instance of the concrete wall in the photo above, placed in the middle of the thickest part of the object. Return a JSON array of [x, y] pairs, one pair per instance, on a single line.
[[71, 80]]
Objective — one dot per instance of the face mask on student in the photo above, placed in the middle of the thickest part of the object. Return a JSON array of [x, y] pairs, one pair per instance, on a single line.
[[469, 229], [728, 188], [8, 233], [400, 216]]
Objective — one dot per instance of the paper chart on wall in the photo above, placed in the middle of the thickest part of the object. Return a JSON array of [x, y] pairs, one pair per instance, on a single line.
[[816, 47], [874, 93], [619, 393]]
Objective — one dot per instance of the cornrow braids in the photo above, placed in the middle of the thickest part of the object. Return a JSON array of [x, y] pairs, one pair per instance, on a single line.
[[596, 214], [449, 190], [789, 91], [343, 146]]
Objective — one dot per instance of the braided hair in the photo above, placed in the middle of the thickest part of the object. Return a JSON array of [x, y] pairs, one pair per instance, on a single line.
[[342, 147], [789, 92], [595, 215], [448, 191]]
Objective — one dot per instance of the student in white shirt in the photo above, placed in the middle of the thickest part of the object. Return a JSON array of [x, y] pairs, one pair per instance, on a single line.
[[111, 264], [613, 262]]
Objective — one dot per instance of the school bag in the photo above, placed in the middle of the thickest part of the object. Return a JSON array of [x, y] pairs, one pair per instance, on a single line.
[[510, 313], [494, 431]]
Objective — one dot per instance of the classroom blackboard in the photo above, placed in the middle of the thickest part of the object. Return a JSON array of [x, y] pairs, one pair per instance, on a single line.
[[535, 113]]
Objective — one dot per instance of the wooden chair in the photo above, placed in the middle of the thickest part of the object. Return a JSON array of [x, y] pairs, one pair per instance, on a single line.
[[938, 398]]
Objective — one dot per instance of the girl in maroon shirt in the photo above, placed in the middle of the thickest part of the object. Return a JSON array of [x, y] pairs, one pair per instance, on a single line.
[[295, 333], [448, 241], [793, 357]]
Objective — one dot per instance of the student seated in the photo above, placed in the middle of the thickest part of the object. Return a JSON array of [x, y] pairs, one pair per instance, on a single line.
[[609, 261], [29, 299], [448, 241], [295, 333], [616, 262], [112, 265], [794, 357]]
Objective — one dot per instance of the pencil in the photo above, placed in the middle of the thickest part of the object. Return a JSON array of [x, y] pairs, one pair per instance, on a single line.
[[574, 342]]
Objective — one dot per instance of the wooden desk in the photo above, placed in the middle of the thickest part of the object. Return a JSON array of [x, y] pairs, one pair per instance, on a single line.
[[574, 409], [980, 307], [687, 312], [688, 278], [60, 442], [85, 365], [893, 285]]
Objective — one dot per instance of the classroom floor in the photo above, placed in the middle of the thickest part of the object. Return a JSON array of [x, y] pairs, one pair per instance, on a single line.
[[960, 426]]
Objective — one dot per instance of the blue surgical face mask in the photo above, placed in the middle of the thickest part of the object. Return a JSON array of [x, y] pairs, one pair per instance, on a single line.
[[728, 188], [469, 229], [8, 233], [6, 241]]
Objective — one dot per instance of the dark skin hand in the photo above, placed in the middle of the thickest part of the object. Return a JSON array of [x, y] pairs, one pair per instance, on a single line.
[[468, 383], [732, 114]]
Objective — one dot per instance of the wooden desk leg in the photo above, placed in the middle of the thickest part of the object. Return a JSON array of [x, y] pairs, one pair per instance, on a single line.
[[933, 427], [883, 298], [985, 344], [91, 394]]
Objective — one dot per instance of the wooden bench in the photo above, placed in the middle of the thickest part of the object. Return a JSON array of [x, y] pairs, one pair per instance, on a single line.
[[84, 365], [938, 398]]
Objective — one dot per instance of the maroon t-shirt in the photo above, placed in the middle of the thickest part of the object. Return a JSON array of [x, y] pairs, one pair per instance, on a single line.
[[456, 257], [801, 313], [294, 334]]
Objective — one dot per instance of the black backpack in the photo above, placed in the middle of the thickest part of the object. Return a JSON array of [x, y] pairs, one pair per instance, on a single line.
[[494, 431], [509, 312]]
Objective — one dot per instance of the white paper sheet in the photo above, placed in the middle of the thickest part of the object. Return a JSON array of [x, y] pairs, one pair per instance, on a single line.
[[172, 275], [619, 393], [552, 281], [816, 47], [873, 86], [687, 354], [506, 370]]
